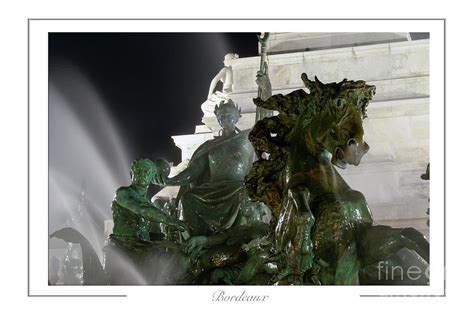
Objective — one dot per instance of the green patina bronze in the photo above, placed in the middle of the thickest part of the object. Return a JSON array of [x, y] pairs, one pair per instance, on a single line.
[[136, 219], [215, 204], [321, 230]]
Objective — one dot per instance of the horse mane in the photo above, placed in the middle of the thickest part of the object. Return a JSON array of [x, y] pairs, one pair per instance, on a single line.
[[272, 136]]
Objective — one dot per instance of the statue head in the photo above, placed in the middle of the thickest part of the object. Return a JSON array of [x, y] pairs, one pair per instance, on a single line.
[[338, 114], [227, 114], [143, 172], [228, 57]]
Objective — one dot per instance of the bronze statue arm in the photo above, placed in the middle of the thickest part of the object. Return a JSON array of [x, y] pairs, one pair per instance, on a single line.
[[234, 235], [197, 243], [145, 209], [188, 175]]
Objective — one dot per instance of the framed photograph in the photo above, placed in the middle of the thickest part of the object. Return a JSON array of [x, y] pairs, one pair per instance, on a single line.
[[164, 156]]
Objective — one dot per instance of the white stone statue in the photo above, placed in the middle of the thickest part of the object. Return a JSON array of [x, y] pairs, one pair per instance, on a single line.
[[225, 76]]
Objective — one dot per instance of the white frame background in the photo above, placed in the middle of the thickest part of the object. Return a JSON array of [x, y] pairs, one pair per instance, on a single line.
[[169, 296]]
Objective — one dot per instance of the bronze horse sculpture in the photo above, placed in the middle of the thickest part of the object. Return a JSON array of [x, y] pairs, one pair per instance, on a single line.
[[323, 231]]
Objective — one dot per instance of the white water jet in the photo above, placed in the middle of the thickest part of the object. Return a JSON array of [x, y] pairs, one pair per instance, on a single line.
[[87, 156]]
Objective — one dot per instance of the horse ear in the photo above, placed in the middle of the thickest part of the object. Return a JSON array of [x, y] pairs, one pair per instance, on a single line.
[[304, 77], [318, 84], [315, 87]]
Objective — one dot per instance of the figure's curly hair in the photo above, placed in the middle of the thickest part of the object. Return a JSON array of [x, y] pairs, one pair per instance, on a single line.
[[227, 104], [272, 136], [141, 163]]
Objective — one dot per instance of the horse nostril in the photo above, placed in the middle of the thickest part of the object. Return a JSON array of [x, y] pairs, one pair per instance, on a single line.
[[351, 142]]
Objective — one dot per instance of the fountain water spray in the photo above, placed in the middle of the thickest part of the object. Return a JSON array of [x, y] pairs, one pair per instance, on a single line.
[[88, 159]]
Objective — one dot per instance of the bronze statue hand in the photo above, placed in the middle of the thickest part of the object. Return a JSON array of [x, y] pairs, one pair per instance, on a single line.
[[161, 179], [195, 244], [163, 169]]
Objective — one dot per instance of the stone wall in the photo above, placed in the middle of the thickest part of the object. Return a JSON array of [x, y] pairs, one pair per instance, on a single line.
[[285, 42]]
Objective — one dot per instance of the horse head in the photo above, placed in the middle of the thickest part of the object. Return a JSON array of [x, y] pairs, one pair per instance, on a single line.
[[333, 119]]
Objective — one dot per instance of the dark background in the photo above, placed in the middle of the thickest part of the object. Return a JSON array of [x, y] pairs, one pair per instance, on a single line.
[[152, 84]]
